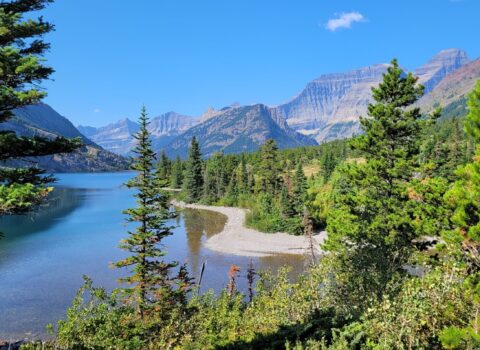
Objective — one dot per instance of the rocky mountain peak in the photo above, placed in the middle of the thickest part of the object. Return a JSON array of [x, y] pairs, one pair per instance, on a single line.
[[439, 66]]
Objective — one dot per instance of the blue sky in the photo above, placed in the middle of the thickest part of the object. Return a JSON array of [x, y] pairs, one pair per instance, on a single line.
[[112, 56]]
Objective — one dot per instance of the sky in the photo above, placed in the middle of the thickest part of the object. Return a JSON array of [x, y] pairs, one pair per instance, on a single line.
[[113, 56]]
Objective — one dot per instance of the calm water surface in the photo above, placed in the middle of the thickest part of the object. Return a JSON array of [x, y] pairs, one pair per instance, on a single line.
[[44, 255]]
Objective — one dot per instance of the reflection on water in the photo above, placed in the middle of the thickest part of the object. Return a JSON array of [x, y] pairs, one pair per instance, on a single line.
[[44, 255]]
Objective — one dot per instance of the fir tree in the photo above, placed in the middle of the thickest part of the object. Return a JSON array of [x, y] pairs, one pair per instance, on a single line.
[[22, 70], [232, 190], [269, 167], [250, 179], [193, 182], [371, 225], [299, 190], [150, 275], [164, 169], [176, 177], [243, 176], [286, 205]]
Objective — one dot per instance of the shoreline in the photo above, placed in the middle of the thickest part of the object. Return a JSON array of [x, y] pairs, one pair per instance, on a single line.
[[236, 239]]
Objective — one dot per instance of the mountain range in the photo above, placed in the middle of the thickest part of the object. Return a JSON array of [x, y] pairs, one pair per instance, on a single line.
[[328, 108], [118, 137], [43, 120]]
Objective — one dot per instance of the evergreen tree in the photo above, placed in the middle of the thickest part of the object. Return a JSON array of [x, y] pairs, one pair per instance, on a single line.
[[164, 169], [299, 190], [232, 190], [193, 182], [250, 179], [22, 70], [371, 225], [328, 163], [243, 176], [464, 199], [286, 205], [269, 167], [176, 177], [151, 284]]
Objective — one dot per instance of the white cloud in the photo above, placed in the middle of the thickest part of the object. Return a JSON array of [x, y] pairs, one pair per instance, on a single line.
[[97, 110], [344, 20]]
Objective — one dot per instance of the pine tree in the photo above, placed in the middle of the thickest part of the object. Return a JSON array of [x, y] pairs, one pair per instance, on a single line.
[[269, 168], [150, 279], [232, 190], [164, 169], [464, 200], [250, 179], [299, 190], [243, 176], [193, 182], [176, 177], [22, 70], [371, 225], [286, 205]]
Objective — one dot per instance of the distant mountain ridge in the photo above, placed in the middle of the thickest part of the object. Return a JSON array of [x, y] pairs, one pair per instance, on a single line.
[[118, 137], [439, 66], [42, 120], [238, 129], [328, 108], [453, 88]]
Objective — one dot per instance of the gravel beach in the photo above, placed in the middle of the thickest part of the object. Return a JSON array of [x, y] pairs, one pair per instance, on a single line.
[[237, 239]]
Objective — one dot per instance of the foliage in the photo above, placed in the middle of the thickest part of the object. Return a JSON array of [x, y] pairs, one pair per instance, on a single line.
[[152, 288], [371, 223], [193, 180], [22, 70]]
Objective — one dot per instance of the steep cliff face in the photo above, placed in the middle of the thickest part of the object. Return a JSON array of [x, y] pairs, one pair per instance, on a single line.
[[437, 68], [330, 106], [239, 129], [451, 92], [118, 137], [42, 120], [330, 101], [166, 127]]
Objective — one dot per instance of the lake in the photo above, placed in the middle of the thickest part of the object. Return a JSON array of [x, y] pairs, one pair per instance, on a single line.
[[44, 255]]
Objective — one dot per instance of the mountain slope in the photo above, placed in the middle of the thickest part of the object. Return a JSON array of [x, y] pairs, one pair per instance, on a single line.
[[118, 137], [329, 106], [42, 120], [239, 129], [439, 66], [450, 93]]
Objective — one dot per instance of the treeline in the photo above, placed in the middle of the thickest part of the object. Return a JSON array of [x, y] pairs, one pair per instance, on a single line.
[[272, 183], [284, 188]]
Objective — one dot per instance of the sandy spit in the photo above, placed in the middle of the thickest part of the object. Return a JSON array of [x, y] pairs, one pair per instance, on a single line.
[[237, 239]]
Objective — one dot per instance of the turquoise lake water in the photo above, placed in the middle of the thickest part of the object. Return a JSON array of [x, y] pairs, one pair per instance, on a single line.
[[44, 255]]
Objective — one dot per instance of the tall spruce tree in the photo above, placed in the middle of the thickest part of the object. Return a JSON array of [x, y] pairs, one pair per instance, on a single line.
[[193, 182], [371, 225], [299, 190], [176, 177], [164, 169], [149, 285], [269, 167], [243, 176], [21, 71]]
